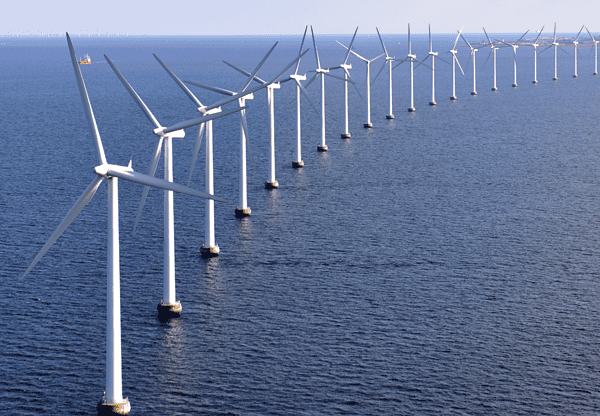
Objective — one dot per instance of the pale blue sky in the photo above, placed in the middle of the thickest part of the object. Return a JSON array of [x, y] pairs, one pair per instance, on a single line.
[[266, 17]]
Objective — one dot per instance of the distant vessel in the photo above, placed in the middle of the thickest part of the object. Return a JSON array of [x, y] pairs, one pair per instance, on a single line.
[[86, 60]]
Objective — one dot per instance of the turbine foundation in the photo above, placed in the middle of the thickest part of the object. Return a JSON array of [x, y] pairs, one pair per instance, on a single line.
[[322, 148], [368, 125], [595, 73], [389, 116], [534, 81], [515, 85], [574, 75], [298, 164], [473, 92], [411, 109], [167, 310], [494, 88], [345, 135], [241, 213], [271, 185], [113, 408], [555, 79], [432, 103], [454, 98], [208, 252]]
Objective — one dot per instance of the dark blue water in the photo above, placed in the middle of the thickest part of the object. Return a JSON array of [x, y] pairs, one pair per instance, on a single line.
[[444, 262]]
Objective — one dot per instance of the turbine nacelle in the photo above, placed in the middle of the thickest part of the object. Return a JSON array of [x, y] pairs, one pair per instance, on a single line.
[[321, 71], [177, 134], [106, 169], [298, 77], [349, 66], [411, 56], [433, 53]]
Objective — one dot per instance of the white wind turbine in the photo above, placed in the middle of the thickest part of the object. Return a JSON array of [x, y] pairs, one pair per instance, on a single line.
[[473, 52], [455, 61], [412, 58], [493, 49], [535, 55], [555, 45], [514, 46], [368, 124], [388, 62], [576, 43], [595, 52], [299, 88], [321, 72], [432, 55], [113, 396], [209, 248], [347, 78], [169, 306], [271, 182]]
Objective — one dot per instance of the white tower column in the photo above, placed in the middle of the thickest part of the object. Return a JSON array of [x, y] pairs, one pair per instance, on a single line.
[[595, 58], [391, 113], [535, 81], [412, 86], [555, 63], [453, 96], [322, 147], [368, 124], [271, 183], [474, 92], [432, 102], [346, 133], [575, 74], [298, 163], [113, 396], [209, 249], [515, 70], [495, 87]]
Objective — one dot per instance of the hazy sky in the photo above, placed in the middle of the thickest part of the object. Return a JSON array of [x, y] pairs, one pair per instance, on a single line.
[[264, 17]]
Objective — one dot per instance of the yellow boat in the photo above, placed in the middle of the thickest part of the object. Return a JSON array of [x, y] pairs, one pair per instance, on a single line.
[[86, 60]]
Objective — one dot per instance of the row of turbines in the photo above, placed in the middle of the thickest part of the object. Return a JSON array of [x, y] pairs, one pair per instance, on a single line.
[[113, 401]]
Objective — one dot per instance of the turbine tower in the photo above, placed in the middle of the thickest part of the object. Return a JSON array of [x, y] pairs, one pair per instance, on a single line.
[[169, 306], [473, 52], [455, 61], [576, 43], [493, 49], [368, 124], [432, 55], [535, 55], [113, 400], [514, 46], [388, 62], [595, 52], [347, 79]]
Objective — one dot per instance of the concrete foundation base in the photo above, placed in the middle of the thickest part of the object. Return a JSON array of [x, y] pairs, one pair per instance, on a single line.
[[389, 116], [322, 148], [432, 103], [595, 73], [454, 98], [169, 310], [271, 185], [241, 213], [534, 81], [494, 88], [555, 79], [298, 164], [113, 408], [368, 125], [473, 92], [207, 252], [345, 135], [411, 109], [574, 76], [515, 85]]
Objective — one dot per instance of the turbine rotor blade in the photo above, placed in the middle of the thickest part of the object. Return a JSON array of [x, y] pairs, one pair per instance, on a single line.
[[524, 36], [300, 51], [151, 171], [83, 200], [307, 97], [257, 79], [457, 37], [142, 179], [381, 40], [195, 152], [577, 37], [311, 80], [260, 64], [315, 46], [538, 36], [87, 106], [338, 77], [354, 84], [185, 89], [379, 72], [351, 43], [134, 94], [200, 120], [458, 62]]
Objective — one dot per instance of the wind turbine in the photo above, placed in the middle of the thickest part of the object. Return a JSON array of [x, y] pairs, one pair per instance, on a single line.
[[595, 52], [368, 124], [473, 52], [576, 43], [113, 400], [432, 55], [455, 61], [412, 58], [388, 61], [321, 72], [535, 55], [555, 44], [347, 78], [493, 49], [271, 183], [514, 46], [168, 306]]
